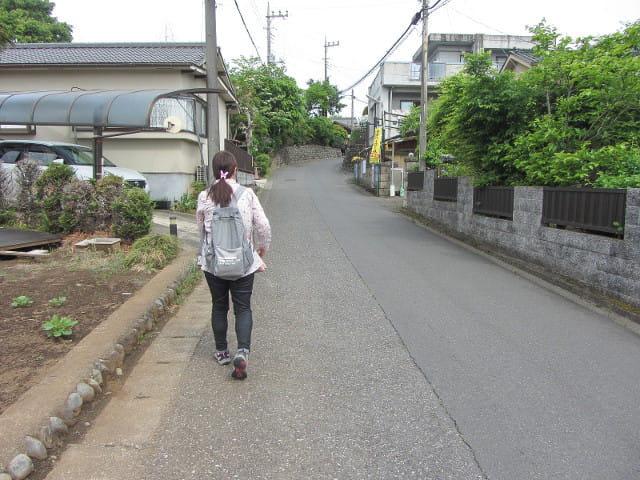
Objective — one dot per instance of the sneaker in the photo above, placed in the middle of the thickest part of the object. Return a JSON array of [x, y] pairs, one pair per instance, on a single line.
[[240, 364], [223, 357]]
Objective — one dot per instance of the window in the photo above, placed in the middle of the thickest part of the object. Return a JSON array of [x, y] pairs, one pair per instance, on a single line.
[[41, 154], [414, 73], [407, 105], [18, 129], [10, 153], [192, 114]]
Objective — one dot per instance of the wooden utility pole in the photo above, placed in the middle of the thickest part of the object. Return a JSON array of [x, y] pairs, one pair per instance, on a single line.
[[326, 58], [213, 118], [422, 141], [353, 119], [270, 58]]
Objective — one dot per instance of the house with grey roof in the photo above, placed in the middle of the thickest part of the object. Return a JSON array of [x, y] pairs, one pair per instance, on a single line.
[[519, 61], [170, 161], [397, 85]]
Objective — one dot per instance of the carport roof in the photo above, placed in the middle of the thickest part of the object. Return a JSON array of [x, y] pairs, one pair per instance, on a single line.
[[86, 108]]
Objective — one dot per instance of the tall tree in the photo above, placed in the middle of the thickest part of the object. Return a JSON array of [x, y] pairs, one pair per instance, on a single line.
[[322, 99], [273, 111], [30, 21]]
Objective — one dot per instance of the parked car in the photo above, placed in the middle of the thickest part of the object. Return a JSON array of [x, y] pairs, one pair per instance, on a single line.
[[78, 157]]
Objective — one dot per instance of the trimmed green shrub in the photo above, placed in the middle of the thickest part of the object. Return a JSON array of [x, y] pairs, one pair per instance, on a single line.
[[49, 192], [132, 214], [263, 162], [26, 173]]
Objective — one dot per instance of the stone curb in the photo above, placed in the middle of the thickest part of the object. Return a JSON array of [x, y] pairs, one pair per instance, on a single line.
[[50, 418]]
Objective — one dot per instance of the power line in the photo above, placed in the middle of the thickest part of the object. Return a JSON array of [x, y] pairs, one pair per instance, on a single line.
[[247, 29], [414, 21]]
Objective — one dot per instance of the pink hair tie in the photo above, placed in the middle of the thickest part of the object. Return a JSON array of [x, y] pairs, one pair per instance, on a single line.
[[223, 174]]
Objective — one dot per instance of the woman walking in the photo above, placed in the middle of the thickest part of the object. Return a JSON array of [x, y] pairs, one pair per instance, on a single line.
[[219, 194]]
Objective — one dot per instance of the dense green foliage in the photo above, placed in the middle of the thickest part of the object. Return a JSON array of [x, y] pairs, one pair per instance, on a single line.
[[273, 109], [263, 163], [324, 132], [189, 201], [573, 119], [132, 214], [30, 21], [275, 112], [49, 195], [54, 200], [322, 99]]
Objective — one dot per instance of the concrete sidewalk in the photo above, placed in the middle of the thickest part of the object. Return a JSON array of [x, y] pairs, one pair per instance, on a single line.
[[332, 391], [117, 441]]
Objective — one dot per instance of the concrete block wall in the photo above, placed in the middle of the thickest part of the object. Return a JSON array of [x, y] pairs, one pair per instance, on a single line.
[[365, 179], [607, 265]]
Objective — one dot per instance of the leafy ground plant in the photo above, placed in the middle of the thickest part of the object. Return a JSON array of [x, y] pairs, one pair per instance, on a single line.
[[57, 302], [21, 301], [59, 326]]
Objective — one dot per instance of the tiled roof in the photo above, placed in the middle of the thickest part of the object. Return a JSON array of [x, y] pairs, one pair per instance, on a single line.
[[104, 54], [525, 55]]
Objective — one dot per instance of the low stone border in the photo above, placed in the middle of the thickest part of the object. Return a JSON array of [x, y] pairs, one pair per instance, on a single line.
[[52, 433]]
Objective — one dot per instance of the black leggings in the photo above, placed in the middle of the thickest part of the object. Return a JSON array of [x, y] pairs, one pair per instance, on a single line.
[[241, 291]]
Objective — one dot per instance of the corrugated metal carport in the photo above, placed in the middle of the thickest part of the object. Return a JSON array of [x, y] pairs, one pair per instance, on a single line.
[[97, 109]]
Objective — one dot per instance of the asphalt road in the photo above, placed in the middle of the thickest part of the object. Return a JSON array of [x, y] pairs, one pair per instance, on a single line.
[[540, 387], [380, 350]]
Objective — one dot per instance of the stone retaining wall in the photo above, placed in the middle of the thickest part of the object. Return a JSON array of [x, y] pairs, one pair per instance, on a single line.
[[303, 153], [607, 265]]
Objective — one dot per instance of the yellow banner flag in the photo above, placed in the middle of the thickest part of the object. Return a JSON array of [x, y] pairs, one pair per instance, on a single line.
[[375, 148]]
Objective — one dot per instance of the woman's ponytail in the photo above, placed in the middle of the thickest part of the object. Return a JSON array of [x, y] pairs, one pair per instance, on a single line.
[[224, 167]]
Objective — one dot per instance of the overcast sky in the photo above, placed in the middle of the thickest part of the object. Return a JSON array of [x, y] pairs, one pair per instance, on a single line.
[[365, 29]]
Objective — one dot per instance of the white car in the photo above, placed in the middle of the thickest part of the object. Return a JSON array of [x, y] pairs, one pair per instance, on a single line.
[[78, 157]]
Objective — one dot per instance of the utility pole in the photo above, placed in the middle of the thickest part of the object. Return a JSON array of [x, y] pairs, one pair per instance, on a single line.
[[270, 58], [422, 141], [211, 52], [353, 119], [326, 59]]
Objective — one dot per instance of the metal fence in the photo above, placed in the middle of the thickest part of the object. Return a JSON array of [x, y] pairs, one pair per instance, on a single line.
[[244, 159], [493, 201], [415, 181], [597, 210], [445, 189]]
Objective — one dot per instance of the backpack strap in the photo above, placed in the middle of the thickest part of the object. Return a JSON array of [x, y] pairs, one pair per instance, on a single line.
[[236, 196]]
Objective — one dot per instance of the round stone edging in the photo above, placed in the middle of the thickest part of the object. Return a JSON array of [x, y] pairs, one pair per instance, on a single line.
[[52, 434]]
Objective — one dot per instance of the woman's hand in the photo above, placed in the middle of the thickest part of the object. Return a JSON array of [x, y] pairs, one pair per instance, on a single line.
[[261, 251]]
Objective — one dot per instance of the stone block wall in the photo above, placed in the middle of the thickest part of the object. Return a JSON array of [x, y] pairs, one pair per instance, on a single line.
[[304, 153], [607, 265]]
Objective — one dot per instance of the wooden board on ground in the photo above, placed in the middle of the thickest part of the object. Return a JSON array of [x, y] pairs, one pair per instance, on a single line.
[[13, 238]]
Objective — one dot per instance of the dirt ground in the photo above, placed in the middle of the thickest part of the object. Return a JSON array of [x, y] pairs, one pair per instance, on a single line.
[[94, 284]]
